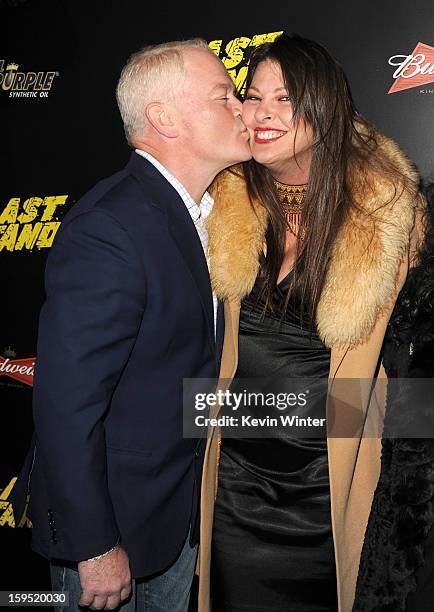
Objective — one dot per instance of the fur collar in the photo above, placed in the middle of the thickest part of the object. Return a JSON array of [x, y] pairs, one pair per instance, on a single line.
[[362, 275]]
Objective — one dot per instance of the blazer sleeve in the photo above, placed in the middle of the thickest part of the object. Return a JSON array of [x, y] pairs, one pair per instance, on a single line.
[[96, 295]]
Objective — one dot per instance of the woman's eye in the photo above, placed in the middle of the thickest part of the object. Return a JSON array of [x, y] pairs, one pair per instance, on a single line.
[[284, 99], [249, 97]]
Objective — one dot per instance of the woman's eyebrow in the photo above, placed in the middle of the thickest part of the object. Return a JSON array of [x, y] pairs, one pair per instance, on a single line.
[[275, 91]]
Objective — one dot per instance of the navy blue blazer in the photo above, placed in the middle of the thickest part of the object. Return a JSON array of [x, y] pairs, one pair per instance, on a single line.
[[128, 315]]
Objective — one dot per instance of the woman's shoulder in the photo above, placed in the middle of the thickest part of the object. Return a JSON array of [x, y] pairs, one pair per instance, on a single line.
[[381, 177], [230, 179]]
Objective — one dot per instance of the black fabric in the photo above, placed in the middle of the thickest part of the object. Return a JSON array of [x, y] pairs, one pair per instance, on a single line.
[[272, 541], [397, 561]]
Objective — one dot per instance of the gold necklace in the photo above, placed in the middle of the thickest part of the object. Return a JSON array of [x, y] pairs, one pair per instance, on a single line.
[[291, 197]]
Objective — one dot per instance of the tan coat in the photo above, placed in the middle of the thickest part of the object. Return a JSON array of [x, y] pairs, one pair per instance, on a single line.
[[368, 267]]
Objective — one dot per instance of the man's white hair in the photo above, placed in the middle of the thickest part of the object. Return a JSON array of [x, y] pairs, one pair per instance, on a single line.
[[153, 74]]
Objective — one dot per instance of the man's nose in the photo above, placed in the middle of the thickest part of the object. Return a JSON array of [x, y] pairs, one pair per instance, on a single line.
[[237, 107]]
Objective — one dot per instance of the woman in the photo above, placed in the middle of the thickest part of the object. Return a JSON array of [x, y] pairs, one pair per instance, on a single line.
[[309, 244], [397, 562]]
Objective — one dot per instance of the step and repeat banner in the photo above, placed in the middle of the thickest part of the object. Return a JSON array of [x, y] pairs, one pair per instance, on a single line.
[[61, 133]]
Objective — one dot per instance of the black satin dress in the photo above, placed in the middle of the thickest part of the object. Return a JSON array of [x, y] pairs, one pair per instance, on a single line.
[[272, 539]]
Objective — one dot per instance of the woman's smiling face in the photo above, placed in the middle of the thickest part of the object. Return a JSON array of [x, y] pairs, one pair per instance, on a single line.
[[276, 139]]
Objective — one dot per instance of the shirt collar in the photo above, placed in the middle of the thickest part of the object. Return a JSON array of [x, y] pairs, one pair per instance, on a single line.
[[196, 212]]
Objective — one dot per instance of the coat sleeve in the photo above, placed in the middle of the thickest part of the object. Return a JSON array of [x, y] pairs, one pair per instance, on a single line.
[[96, 296]]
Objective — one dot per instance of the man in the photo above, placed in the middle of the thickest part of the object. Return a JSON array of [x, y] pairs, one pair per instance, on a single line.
[[129, 314]]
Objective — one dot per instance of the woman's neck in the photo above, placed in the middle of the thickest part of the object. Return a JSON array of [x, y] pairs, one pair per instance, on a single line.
[[294, 171]]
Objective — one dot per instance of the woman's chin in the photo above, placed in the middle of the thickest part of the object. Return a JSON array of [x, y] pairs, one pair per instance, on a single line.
[[264, 162], [261, 157]]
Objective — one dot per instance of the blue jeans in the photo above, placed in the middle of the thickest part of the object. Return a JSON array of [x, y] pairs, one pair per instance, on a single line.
[[168, 592]]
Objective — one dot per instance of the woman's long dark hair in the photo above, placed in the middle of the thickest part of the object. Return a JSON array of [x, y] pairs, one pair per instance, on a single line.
[[320, 96]]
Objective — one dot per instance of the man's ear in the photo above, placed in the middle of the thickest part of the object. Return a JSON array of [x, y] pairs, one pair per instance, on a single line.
[[162, 118]]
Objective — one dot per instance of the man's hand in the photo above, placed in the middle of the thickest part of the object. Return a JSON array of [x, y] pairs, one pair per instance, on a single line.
[[105, 582]]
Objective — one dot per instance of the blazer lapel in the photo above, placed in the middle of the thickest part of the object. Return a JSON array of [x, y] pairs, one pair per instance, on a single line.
[[182, 230]]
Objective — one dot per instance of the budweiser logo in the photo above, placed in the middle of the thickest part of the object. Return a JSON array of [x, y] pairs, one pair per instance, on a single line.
[[18, 369], [413, 70]]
